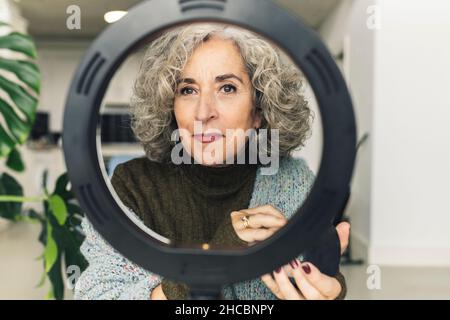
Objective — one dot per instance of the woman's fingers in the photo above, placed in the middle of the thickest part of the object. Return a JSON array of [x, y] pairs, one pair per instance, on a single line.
[[343, 231], [309, 291], [262, 223], [288, 269], [258, 221], [266, 221], [257, 234], [315, 283], [287, 289], [236, 220], [267, 209], [272, 285]]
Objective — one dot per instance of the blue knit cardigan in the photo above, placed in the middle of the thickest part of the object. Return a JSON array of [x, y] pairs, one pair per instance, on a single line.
[[110, 275]]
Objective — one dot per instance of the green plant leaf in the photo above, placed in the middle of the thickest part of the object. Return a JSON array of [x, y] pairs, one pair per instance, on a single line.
[[19, 120], [10, 186], [15, 162], [17, 127], [25, 71], [74, 211], [51, 249], [43, 235], [4, 24], [55, 273], [72, 252], [19, 42], [6, 143], [56, 279], [59, 209], [50, 295], [23, 100], [61, 187], [44, 182], [34, 215]]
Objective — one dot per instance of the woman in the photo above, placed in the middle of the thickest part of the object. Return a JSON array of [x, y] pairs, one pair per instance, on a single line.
[[211, 85]]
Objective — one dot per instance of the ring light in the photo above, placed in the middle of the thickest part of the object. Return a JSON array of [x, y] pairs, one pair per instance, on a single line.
[[309, 232]]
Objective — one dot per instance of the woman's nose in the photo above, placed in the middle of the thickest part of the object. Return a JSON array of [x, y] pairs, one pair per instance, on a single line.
[[206, 108]]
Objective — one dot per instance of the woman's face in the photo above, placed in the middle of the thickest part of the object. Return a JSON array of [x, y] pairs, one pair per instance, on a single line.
[[213, 103]]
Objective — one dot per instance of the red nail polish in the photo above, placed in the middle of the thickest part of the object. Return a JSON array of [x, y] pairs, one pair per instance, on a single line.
[[306, 268], [294, 264], [278, 270]]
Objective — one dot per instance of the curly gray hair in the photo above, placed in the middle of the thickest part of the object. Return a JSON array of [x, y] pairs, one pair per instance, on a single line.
[[277, 87]]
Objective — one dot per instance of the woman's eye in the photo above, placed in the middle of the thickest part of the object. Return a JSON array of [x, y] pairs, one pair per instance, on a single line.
[[186, 91], [228, 88]]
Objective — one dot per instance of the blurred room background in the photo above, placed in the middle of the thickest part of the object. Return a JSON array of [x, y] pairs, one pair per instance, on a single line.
[[395, 58]]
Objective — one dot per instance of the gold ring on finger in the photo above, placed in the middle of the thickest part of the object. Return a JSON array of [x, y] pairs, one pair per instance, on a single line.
[[245, 221]]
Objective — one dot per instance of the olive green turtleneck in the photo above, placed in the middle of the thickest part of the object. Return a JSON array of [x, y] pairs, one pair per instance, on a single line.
[[190, 203]]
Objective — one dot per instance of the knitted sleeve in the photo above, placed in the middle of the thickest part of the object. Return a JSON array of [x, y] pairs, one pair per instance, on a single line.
[[286, 191], [308, 178], [109, 275], [340, 278]]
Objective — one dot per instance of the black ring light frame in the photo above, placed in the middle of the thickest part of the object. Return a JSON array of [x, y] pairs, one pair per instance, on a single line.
[[310, 231]]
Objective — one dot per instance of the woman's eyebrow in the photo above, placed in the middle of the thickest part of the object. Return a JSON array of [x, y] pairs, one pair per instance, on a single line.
[[220, 78], [224, 77]]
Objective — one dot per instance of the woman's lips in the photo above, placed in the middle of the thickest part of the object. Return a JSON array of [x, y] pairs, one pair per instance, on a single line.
[[207, 138]]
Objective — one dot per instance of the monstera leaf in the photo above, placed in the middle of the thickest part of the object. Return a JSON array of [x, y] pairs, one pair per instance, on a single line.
[[60, 219], [19, 88], [9, 185]]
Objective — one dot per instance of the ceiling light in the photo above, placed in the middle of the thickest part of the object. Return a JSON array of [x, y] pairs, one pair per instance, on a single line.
[[113, 16]]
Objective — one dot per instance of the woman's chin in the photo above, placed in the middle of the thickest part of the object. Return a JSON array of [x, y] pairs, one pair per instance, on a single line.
[[207, 160]]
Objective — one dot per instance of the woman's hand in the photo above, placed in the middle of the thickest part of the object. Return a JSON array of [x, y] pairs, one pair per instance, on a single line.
[[158, 294], [311, 283], [263, 222]]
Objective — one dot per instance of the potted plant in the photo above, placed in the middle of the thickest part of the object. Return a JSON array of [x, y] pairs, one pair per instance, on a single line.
[[60, 217]]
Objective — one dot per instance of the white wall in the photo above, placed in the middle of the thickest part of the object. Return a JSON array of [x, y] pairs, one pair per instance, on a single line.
[[334, 28], [398, 76], [411, 159], [10, 13], [360, 69]]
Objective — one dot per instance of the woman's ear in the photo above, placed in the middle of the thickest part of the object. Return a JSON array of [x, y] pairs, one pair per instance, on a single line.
[[257, 118]]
